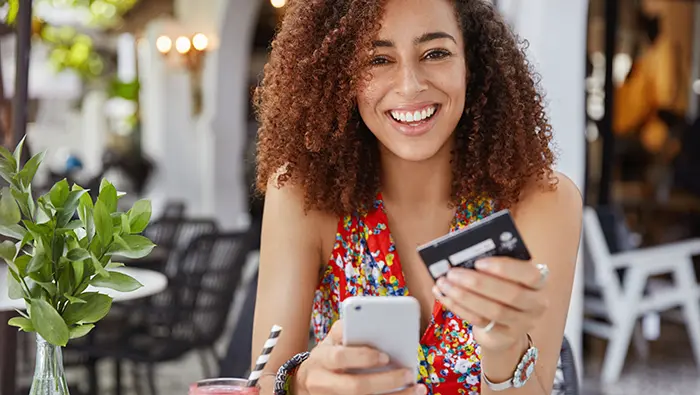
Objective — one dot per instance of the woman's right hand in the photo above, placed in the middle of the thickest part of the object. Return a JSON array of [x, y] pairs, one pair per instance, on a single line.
[[323, 373]]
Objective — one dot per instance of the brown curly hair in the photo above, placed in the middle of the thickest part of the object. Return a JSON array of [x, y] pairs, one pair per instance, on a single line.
[[311, 132]]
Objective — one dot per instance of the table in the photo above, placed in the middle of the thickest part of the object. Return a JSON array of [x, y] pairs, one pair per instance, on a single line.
[[153, 283]]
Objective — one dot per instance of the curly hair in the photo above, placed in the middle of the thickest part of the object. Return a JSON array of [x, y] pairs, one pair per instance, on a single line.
[[311, 133]]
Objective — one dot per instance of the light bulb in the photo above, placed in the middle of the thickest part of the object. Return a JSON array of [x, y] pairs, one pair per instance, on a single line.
[[182, 44], [200, 42], [278, 3], [164, 44]]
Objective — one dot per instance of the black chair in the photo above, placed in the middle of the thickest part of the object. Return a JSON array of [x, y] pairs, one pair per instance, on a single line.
[[191, 314], [566, 379]]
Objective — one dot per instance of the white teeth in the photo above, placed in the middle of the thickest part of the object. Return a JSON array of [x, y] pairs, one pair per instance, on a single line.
[[415, 116]]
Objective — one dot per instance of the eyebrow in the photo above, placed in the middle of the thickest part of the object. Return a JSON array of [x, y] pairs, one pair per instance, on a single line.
[[418, 40]]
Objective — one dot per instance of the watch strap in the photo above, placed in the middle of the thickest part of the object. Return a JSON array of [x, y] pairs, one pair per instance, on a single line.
[[522, 371]]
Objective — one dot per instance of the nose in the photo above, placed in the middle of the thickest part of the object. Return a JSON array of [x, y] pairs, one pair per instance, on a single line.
[[411, 81]]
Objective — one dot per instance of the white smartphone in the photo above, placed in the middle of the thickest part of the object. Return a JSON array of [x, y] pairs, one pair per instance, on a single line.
[[390, 324]]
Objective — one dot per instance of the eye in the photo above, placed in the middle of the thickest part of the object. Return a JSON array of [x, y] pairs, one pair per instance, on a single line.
[[379, 61], [437, 54]]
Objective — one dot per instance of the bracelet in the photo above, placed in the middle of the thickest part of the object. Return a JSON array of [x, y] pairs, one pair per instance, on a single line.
[[286, 372]]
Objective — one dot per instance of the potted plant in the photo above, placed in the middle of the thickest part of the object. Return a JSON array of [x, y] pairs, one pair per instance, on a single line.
[[56, 255]]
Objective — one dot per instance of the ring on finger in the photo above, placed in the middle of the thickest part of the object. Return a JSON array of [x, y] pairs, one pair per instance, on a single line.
[[544, 273], [489, 327]]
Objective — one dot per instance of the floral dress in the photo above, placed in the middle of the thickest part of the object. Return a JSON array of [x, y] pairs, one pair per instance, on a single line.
[[364, 262]]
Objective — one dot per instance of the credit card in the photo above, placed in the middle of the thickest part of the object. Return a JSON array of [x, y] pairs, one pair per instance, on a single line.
[[495, 235]]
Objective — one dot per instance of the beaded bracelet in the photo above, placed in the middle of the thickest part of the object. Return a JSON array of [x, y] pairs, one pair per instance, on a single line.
[[286, 372]]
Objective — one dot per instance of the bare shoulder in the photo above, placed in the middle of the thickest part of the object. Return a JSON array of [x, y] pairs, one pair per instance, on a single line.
[[551, 200]]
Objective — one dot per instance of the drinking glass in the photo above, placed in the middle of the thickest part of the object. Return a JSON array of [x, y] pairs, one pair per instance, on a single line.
[[223, 386]]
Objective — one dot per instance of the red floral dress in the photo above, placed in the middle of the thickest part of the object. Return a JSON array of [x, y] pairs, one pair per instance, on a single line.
[[364, 262]]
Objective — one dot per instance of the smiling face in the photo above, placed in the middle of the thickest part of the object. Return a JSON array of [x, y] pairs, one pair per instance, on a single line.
[[416, 93]]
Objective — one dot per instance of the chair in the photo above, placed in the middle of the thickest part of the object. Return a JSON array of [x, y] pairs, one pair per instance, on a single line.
[[624, 300], [191, 314], [566, 378]]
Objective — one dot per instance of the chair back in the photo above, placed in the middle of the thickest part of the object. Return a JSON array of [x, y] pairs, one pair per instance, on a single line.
[[209, 273], [566, 378]]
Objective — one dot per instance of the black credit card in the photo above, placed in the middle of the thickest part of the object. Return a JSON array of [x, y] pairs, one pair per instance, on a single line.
[[495, 235]]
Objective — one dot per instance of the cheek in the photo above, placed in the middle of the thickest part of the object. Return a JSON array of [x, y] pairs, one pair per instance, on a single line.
[[367, 99]]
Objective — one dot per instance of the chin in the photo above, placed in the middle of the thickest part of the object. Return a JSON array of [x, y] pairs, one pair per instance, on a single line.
[[414, 152]]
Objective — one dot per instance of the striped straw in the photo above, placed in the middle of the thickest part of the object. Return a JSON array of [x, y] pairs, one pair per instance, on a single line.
[[270, 343]]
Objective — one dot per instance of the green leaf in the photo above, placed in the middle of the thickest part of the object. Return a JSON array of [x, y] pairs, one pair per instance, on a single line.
[[117, 281], [59, 193], [74, 300], [9, 211], [125, 227], [131, 246], [65, 278], [37, 262], [26, 239], [75, 224], [21, 323], [114, 265], [85, 212], [17, 153], [25, 202], [103, 223], [71, 204], [108, 195], [7, 156], [48, 323], [21, 263], [14, 231], [50, 287], [57, 248], [95, 308], [80, 331], [8, 250], [97, 265], [78, 271], [26, 175], [139, 215], [14, 289], [7, 170], [77, 254]]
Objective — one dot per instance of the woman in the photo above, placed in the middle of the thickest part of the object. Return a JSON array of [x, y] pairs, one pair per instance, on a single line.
[[417, 116]]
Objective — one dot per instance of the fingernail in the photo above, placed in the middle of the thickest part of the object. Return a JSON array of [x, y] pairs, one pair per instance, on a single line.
[[421, 390], [383, 359], [443, 284], [410, 376], [482, 264], [437, 293]]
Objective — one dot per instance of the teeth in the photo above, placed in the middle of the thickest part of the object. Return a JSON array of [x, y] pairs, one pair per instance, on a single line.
[[415, 116]]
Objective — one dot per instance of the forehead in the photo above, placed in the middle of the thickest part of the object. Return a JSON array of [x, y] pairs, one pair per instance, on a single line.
[[407, 19]]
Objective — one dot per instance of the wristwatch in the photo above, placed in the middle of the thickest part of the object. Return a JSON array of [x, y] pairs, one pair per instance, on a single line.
[[523, 371]]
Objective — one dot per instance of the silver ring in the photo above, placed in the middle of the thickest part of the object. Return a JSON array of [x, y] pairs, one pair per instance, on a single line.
[[544, 273], [490, 326]]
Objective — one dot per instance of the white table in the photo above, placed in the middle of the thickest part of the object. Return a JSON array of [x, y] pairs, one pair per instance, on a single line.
[[153, 283]]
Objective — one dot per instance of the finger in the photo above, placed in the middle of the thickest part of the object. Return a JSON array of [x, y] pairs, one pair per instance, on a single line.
[[487, 309], [335, 335], [461, 311], [378, 383], [340, 358], [514, 270], [496, 289]]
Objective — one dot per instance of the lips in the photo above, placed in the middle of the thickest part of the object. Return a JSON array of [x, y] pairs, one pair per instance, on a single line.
[[413, 121]]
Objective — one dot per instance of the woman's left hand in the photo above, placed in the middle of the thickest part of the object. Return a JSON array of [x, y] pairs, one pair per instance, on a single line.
[[502, 299]]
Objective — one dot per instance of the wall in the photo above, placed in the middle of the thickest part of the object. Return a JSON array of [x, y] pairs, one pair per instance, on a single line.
[[556, 31]]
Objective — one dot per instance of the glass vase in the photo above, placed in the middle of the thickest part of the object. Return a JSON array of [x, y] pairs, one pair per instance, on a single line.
[[49, 376]]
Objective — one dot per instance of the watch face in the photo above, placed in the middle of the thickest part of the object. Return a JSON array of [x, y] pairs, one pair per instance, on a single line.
[[525, 368]]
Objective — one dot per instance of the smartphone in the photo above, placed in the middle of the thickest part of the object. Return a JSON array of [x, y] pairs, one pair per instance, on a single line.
[[390, 324], [495, 235]]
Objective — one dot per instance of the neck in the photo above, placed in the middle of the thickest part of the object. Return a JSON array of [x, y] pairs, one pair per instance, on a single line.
[[428, 182]]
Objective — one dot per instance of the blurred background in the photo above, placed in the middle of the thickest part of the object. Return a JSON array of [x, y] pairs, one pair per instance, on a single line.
[[155, 96]]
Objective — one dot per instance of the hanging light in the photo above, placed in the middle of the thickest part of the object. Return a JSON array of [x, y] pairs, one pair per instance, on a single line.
[[278, 3]]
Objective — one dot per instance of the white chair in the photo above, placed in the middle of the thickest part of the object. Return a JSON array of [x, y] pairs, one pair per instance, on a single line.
[[623, 303]]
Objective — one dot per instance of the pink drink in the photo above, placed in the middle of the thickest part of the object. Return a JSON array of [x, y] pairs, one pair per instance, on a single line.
[[223, 387]]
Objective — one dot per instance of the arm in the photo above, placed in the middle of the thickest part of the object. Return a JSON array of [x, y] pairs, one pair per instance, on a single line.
[[550, 223], [290, 259]]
